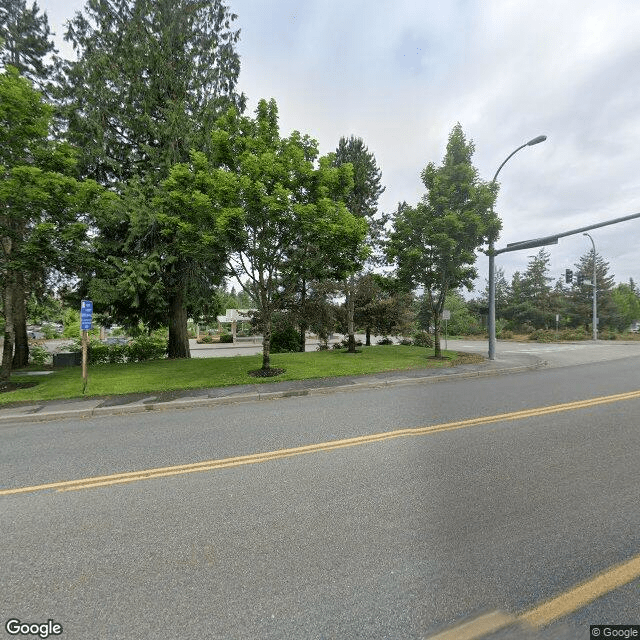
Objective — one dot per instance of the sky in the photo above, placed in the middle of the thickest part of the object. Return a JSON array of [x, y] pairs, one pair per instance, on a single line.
[[400, 74]]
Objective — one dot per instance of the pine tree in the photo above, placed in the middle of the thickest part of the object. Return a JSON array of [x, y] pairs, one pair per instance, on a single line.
[[150, 80]]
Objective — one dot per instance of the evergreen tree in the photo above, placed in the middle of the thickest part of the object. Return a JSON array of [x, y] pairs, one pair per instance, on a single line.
[[150, 80], [362, 201], [580, 299], [25, 40], [434, 243]]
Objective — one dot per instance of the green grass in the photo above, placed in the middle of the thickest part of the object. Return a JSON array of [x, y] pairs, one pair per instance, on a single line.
[[167, 375]]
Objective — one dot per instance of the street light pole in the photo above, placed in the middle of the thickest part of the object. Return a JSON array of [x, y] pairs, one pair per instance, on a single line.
[[492, 274], [595, 295]]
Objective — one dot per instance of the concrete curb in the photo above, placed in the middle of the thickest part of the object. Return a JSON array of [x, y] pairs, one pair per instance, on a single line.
[[41, 414]]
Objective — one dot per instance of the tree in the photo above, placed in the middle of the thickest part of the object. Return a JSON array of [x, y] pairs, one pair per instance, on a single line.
[[288, 201], [361, 201], [175, 252], [626, 299], [25, 42], [42, 205], [150, 80], [433, 244], [580, 299], [381, 306], [532, 300]]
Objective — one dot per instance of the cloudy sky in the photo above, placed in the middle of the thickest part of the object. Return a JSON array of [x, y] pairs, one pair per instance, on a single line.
[[401, 73]]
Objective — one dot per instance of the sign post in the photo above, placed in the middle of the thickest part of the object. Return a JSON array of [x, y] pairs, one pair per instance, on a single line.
[[446, 315], [86, 317]]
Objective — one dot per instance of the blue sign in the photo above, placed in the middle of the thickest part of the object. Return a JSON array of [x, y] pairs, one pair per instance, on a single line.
[[86, 313]]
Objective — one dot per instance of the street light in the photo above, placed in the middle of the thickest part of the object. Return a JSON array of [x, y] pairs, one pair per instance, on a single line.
[[595, 296], [492, 276]]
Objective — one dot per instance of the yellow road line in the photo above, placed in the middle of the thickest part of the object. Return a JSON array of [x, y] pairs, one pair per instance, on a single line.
[[224, 463], [583, 594], [478, 627], [551, 610]]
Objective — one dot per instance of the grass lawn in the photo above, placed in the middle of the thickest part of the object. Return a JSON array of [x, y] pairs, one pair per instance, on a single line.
[[167, 375]]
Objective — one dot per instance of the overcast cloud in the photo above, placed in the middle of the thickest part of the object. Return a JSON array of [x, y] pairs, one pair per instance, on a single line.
[[401, 73]]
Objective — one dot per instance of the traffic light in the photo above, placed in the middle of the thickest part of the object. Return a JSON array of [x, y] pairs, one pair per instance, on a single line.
[[568, 274], [579, 279]]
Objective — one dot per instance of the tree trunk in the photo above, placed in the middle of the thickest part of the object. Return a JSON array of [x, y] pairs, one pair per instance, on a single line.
[[9, 333], [178, 338], [368, 342], [350, 316], [21, 345], [266, 342], [436, 335]]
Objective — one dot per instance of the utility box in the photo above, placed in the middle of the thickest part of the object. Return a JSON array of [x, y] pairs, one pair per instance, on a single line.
[[67, 359]]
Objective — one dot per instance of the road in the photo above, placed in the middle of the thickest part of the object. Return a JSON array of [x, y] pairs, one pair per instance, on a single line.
[[384, 513]]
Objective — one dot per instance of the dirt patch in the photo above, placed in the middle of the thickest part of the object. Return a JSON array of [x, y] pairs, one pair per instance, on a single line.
[[12, 386], [266, 373]]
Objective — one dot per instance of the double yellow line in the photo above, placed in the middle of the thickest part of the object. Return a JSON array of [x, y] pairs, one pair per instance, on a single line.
[[237, 461]]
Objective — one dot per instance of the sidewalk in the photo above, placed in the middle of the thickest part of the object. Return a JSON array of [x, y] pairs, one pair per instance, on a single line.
[[193, 398]]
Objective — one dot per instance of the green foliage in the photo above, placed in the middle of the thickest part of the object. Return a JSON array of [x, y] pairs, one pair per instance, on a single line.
[[434, 244], [149, 81], [422, 339], [44, 220], [285, 340], [295, 226], [38, 355], [71, 323], [139, 349], [384, 341], [462, 322], [25, 39], [226, 338]]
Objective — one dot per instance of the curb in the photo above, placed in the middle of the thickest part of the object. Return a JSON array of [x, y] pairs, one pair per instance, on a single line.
[[189, 403]]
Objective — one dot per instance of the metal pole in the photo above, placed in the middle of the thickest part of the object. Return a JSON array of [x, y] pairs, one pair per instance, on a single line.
[[491, 322], [595, 294]]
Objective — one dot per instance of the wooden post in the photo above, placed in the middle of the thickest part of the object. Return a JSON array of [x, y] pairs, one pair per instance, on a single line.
[[85, 340]]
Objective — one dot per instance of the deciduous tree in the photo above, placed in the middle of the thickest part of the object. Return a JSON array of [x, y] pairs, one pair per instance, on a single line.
[[290, 199]]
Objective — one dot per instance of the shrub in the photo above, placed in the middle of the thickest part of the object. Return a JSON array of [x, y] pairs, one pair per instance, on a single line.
[[145, 348], [227, 338], [406, 342], [385, 341], [285, 340], [38, 355], [422, 339]]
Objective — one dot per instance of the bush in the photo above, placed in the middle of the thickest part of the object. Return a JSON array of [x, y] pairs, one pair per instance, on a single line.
[[406, 342], [206, 339], [422, 339], [385, 341], [145, 348], [285, 340], [138, 350], [227, 338], [38, 355]]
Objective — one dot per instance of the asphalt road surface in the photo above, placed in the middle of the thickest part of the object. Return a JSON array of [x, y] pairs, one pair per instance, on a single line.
[[480, 508]]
